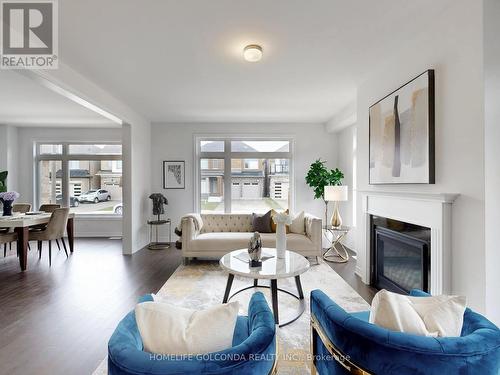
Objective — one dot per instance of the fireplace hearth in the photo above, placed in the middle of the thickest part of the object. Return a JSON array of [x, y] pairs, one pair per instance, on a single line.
[[400, 255]]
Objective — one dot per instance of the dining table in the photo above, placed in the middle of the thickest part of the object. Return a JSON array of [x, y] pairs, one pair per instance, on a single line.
[[21, 223]]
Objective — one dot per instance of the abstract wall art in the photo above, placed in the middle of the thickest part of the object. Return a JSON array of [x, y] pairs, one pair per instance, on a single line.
[[174, 174], [401, 136]]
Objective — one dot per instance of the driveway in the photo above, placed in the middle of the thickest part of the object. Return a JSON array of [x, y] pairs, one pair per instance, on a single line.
[[96, 208]]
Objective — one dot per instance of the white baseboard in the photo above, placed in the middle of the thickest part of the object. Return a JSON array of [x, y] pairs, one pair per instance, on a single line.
[[97, 234]]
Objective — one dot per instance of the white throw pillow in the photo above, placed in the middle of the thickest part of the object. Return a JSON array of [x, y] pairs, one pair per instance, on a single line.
[[298, 224], [426, 316], [168, 329]]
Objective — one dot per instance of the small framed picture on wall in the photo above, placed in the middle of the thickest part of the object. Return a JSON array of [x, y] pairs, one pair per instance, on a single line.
[[174, 174]]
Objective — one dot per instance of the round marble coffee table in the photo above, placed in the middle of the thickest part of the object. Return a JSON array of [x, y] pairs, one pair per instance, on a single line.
[[292, 265]]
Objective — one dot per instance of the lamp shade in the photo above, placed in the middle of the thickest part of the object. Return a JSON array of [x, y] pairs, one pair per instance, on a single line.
[[336, 193]]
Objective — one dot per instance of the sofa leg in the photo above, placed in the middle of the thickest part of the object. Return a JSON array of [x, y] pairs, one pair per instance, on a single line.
[[185, 261]]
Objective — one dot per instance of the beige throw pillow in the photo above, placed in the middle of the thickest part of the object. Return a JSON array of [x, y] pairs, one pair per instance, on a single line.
[[168, 329], [426, 316], [298, 224]]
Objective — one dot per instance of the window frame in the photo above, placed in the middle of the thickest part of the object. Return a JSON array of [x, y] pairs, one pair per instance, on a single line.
[[228, 155], [65, 157]]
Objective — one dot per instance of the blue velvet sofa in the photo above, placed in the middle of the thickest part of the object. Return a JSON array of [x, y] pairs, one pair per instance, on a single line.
[[253, 351], [345, 343]]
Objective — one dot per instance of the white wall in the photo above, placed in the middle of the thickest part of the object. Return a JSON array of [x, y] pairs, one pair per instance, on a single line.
[[492, 155], [346, 158], [136, 148], [8, 150], [27, 136], [453, 47], [136, 187], [176, 142]]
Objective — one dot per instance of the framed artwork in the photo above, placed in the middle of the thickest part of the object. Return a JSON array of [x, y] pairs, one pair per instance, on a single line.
[[174, 176], [401, 136]]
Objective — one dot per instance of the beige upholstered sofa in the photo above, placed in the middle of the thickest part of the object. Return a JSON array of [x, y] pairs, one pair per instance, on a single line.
[[213, 235]]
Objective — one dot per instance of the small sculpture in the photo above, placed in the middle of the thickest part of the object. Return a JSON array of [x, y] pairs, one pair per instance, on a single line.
[[159, 201], [255, 250]]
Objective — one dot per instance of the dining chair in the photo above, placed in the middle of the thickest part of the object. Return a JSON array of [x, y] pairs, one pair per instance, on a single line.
[[21, 207], [54, 231], [5, 238], [49, 208]]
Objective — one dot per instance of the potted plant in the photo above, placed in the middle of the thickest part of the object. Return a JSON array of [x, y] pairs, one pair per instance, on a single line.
[[3, 181], [319, 176]]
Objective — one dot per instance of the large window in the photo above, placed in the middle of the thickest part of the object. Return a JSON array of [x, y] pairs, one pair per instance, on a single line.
[[243, 175], [85, 177], [212, 185]]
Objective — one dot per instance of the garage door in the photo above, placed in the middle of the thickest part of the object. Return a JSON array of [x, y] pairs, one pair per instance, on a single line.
[[251, 190], [236, 190]]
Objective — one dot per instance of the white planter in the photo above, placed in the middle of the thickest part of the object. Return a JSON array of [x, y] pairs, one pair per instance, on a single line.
[[280, 240]]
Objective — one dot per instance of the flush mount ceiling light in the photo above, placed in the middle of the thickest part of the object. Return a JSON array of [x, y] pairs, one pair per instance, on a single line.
[[252, 53]]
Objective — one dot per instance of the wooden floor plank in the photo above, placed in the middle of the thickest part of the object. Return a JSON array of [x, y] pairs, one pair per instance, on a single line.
[[58, 320]]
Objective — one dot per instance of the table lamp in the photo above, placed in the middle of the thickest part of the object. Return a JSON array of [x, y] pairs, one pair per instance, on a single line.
[[336, 194]]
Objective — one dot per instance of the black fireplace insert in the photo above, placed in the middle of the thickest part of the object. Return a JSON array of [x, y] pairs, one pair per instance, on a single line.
[[400, 255]]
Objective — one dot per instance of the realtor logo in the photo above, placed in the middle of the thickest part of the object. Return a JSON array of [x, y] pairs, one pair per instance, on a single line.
[[29, 34]]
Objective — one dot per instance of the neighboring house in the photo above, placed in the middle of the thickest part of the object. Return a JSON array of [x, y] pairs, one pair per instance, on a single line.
[[110, 175], [84, 176], [250, 178], [81, 179]]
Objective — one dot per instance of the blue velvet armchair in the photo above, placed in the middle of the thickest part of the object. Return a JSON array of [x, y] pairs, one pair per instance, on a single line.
[[344, 343], [253, 350]]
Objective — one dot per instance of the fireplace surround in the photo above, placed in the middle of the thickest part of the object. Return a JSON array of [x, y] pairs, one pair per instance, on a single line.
[[430, 210]]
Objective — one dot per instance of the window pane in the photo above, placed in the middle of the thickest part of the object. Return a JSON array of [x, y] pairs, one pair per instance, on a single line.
[[212, 185], [260, 146], [49, 184], [47, 149], [212, 146], [258, 185], [95, 187], [86, 149]]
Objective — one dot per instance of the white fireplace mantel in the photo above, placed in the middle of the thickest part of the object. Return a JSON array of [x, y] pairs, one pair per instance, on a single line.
[[440, 197], [431, 210]]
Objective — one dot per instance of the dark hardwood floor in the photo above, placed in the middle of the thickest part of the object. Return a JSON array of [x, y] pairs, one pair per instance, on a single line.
[[58, 320], [347, 272]]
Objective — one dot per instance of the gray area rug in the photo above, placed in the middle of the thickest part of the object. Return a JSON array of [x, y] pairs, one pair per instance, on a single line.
[[202, 285]]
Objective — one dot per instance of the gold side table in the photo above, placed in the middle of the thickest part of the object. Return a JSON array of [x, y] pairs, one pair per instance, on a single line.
[[154, 239], [337, 252]]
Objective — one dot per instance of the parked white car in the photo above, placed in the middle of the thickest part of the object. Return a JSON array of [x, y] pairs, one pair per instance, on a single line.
[[118, 209], [95, 196]]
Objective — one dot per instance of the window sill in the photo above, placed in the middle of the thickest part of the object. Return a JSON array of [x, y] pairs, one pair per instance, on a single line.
[[106, 217]]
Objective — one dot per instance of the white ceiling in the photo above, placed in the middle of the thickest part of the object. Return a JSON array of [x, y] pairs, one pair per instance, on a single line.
[[175, 60], [180, 61], [24, 102]]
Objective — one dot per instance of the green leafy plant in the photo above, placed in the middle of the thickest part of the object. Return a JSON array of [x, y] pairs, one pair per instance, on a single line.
[[3, 181], [319, 176]]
